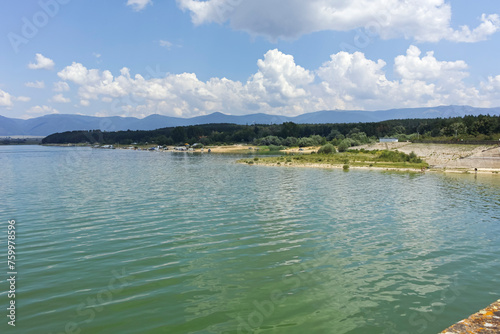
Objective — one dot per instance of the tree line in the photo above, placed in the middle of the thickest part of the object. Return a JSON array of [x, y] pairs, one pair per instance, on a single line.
[[482, 127]]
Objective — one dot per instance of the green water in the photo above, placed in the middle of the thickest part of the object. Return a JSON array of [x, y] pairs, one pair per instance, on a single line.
[[113, 241]]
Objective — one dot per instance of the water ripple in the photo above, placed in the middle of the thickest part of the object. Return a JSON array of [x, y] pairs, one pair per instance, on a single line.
[[127, 242]]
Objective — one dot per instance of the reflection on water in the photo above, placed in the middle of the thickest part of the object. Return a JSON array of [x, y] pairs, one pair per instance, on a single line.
[[199, 244]]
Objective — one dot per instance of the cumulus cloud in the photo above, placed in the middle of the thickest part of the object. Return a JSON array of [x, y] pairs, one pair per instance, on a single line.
[[23, 98], [446, 77], [278, 82], [35, 84], [41, 62], [412, 66], [422, 20], [37, 110], [94, 82], [61, 86], [138, 5], [352, 76], [5, 99], [492, 86], [279, 78], [59, 98], [489, 25], [280, 86]]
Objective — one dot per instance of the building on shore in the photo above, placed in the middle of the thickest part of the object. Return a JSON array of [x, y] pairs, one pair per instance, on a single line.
[[388, 140]]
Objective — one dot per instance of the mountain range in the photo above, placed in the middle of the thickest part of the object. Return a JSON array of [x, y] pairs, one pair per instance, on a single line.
[[48, 124]]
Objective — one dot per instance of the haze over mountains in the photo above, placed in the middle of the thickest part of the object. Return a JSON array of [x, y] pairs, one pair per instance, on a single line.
[[48, 124]]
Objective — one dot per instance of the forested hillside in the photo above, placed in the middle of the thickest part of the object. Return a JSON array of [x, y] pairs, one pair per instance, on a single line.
[[468, 128]]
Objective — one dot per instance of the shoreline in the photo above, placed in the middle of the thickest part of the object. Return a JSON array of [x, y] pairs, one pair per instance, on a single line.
[[488, 171], [441, 158], [484, 321]]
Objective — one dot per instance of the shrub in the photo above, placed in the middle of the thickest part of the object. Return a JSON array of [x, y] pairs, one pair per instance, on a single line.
[[359, 138], [304, 142], [412, 157], [318, 140], [274, 148], [268, 141], [344, 145], [395, 156], [345, 167], [327, 149], [290, 141]]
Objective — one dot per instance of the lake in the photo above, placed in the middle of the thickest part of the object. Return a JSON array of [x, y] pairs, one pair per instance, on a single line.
[[115, 241]]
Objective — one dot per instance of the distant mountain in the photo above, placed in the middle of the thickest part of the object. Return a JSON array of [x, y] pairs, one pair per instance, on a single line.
[[48, 124]]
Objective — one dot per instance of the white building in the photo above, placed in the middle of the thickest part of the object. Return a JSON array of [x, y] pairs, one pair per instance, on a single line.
[[388, 140]]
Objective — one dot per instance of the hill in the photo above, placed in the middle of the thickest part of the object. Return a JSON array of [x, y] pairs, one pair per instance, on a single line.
[[48, 124]]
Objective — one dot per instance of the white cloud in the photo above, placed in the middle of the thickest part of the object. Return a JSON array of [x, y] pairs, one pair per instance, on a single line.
[[422, 20], [59, 98], [351, 76], [61, 86], [490, 25], [78, 74], [446, 77], [138, 5], [166, 44], [492, 86], [36, 110], [428, 68], [94, 82], [280, 86], [279, 78], [35, 84], [5, 99], [41, 63], [23, 98]]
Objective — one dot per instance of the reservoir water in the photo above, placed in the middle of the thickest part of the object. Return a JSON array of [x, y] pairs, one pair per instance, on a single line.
[[115, 241]]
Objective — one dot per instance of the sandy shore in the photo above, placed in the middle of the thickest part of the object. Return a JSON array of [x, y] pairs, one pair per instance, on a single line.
[[448, 158], [232, 149], [330, 166], [492, 171]]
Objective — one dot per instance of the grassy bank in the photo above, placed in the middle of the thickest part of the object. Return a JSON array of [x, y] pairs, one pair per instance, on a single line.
[[346, 160]]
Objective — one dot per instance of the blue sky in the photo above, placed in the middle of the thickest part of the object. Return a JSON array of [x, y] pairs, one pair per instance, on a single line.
[[191, 57]]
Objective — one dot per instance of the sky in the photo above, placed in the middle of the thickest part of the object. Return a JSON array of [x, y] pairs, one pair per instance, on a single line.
[[186, 58]]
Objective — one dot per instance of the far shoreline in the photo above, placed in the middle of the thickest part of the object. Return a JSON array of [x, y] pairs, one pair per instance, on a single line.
[[488, 171], [441, 158]]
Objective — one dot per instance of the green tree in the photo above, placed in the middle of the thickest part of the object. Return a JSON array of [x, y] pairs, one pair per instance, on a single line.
[[344, 145], [179, 135], [327, 149]]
